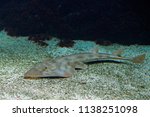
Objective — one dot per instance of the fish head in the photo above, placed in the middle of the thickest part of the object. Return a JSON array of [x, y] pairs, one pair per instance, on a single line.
[[44, 72], [33, 73], [36, 72]]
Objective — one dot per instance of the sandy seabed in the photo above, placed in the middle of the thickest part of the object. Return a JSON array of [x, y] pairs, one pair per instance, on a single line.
[[99, 81]]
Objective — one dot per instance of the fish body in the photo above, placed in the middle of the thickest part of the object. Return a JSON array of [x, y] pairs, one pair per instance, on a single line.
[[65, 66]]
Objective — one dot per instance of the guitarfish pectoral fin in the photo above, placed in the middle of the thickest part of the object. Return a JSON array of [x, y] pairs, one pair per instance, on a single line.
[[64, 72]]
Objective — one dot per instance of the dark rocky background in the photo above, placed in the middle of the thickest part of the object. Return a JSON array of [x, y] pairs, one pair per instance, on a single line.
[[104, 21]]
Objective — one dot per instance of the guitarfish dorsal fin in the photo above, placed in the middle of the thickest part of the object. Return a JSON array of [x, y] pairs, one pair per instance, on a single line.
[[118, 52]]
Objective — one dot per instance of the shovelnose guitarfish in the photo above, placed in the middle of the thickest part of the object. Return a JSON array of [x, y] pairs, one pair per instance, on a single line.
[[65, 66]]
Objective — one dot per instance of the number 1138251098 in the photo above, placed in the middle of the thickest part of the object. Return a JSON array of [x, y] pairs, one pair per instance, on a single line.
[[108, 109]]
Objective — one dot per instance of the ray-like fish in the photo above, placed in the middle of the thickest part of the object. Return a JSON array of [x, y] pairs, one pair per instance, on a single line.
[[65, 66]]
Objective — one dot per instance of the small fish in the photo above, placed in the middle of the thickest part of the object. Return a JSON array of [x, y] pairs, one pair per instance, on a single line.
[[65, 66]]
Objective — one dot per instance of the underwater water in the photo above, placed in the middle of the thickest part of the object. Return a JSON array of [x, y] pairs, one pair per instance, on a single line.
[[115, 21], [106, 80], [39, 31]]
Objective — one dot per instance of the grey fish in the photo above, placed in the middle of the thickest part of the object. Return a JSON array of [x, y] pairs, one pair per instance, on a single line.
[[65, 66]]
